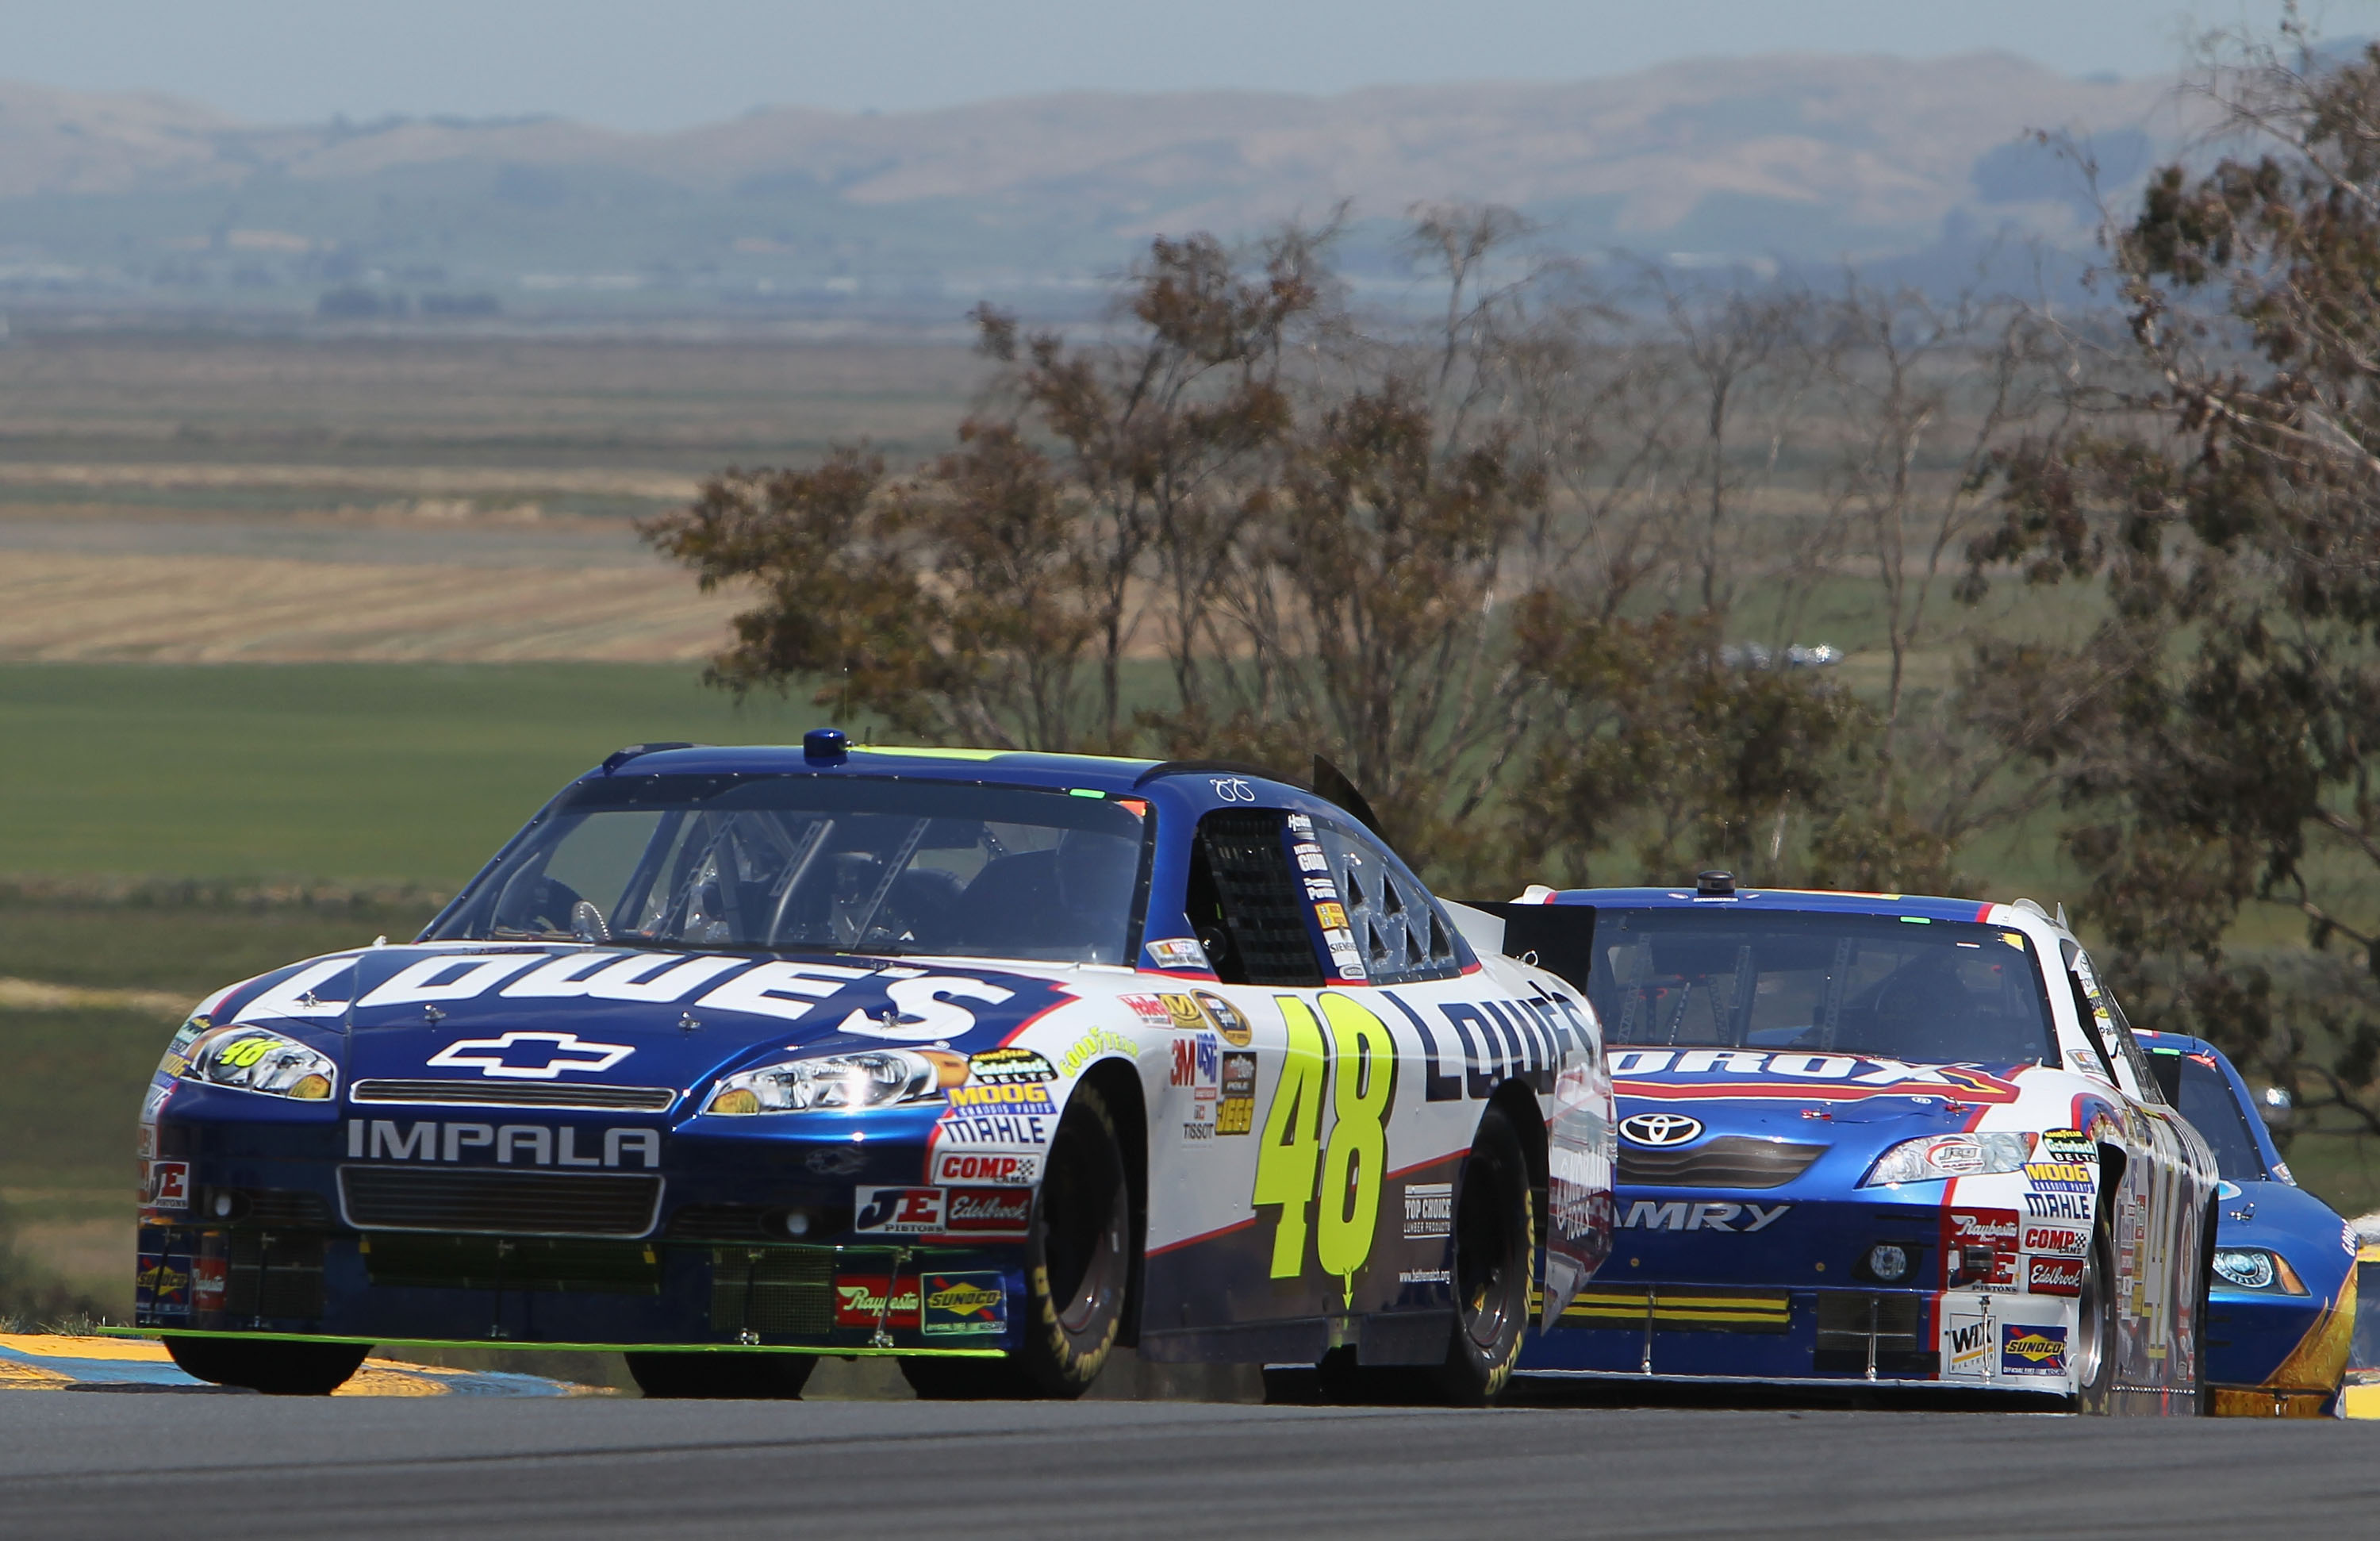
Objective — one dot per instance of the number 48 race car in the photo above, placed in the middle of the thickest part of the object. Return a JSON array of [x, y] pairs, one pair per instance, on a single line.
[[990, 1062], [1878, 1139]]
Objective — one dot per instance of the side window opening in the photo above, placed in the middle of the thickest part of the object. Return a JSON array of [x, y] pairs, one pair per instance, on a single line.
[[2089, 1016], [1243, 903], [1402, 935]]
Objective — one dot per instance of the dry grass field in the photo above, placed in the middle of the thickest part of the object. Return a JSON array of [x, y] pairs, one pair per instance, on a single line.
[[212, 499]]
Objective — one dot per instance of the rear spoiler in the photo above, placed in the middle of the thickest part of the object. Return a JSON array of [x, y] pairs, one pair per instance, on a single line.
[[1557, 938]]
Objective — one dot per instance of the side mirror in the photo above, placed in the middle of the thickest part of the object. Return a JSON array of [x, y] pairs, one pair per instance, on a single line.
[[2278, 1108]]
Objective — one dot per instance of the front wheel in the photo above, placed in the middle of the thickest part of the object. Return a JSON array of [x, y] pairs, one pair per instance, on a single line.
[[1077, 1269], [276, 1367], [737, 1377], [2092, 1354]]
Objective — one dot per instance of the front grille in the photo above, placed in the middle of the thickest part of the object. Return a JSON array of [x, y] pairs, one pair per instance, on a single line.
[[415, 1261], [516, 1094], [498, 1203], [1858, 1332], [721, 1222], [776, 1290], [1681, 1308], [273, 1277], [1729, 1161]]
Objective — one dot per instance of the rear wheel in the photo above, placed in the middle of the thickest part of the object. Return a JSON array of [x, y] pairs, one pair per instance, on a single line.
[[741, 1376], [1077, 1269], [275, 1367], [1495, 1248]]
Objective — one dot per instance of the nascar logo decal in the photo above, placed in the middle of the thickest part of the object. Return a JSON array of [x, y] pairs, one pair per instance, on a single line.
[[1660, 1129], [1692, 1075]]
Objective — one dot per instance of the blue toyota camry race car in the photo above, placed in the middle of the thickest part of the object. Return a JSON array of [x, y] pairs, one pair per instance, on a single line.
[[1877, 1139], [990, 1062], [2282, 1314]]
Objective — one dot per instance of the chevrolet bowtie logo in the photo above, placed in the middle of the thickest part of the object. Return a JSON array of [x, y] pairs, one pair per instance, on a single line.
[[530, 1056], [1659, 1129]]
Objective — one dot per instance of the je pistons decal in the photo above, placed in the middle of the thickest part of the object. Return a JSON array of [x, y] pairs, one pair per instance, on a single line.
[[1692, 1074]]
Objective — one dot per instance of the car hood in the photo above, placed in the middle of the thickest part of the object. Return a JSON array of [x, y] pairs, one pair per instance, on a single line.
[[575, 1015], [2289, 1219], [1837, 1099]]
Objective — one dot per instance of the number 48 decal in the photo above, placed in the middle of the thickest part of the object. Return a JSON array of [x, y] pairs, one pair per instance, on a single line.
[[1291, 1154]]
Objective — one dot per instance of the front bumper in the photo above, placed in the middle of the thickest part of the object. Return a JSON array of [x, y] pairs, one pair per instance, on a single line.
[[713, 1233]]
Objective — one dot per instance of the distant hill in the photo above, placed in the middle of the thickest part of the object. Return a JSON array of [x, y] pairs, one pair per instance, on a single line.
[[130, 202]]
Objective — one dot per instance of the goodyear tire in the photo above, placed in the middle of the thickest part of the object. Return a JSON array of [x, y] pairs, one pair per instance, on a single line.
[[1077, 1270], [2092, 1354], [1495, 1249], [274, 1367], [743, 1377]]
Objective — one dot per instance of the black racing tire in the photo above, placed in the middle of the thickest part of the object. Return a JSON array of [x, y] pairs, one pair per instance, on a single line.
[[2203, 1389], [1495, 1247], [275, 1367], [1077, 1274], [2093, 1351], [665, 1374]]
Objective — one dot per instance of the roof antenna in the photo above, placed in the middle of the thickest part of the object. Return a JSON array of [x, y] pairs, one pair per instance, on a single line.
[[1332, 782], [2062, 915]]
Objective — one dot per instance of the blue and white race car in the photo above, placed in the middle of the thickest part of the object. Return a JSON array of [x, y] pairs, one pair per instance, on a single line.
[[1870, 1139], [2284, 1307], [987, 1061]]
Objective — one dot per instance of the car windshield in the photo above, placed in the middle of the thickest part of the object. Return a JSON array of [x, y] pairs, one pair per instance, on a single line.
[[879, 864], [1891, 987], [2206, 1100]]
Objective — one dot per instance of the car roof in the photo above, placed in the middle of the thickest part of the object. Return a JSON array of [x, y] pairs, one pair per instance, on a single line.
[[1019, 767], [1823, 901]]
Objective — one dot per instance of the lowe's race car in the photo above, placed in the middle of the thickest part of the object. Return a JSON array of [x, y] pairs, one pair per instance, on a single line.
[[1882, 1140], [991, 1062], [2284, 1307]]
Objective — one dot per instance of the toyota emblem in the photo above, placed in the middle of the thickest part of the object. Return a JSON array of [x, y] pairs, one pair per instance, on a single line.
[[1658, 1129]]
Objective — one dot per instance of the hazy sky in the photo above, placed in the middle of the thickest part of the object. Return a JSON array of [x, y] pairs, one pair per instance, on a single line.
[[659, 64]]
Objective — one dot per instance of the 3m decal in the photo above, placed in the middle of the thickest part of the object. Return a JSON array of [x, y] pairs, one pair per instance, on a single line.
[[1198, 1063], [898, 1211], [1682, 1215], [1227, 1019], [1967, 1339], [2054, 1276], [2035, 1351], [1356, 1070], [860, 1302], [1235, 1114], [963, 1304], [1693, 1073], [530, 1056], [1003, 1066], [169, 1184], [992, 1169], [1429, 1210]]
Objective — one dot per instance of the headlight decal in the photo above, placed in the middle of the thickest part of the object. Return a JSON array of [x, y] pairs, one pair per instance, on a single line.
[[254, 1059], [852, 1082], [1933, 1158], [2257, 1270]]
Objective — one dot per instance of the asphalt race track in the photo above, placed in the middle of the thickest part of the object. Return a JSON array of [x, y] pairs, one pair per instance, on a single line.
[[198, 1463]]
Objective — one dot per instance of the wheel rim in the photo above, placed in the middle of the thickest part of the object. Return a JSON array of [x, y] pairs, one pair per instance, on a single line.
[[1483, 1260], [2089, 1323]]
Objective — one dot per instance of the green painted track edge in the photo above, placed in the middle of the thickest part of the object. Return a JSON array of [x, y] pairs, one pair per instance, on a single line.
[[557, 1348]]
